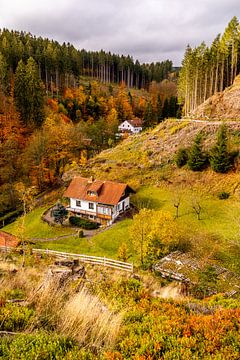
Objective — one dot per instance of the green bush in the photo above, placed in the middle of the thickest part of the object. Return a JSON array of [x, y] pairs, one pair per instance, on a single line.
[[181, 157], [39, 346], [83, 223], [81, 234], [223, 195], [14, 318]]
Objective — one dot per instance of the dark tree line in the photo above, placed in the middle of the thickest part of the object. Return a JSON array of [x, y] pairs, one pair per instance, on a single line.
[[59, 65]]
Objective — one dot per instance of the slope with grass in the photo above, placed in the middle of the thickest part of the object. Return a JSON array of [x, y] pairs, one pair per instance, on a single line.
[[145, 162]]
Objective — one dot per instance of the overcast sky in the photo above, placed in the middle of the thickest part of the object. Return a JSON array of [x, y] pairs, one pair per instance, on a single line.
[[148, 30]]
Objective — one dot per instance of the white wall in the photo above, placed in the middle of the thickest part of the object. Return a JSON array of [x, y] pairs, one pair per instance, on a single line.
[[126, 126], [84, 205], [115, 210], [118, 208], [137, 130]]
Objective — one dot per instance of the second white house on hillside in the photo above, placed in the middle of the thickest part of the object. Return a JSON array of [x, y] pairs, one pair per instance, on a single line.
[[100, 201], [130, 127]]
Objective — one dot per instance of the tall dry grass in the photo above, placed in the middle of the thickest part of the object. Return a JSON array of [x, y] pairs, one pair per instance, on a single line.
[[88, 321], [80, 316], [17, 278]]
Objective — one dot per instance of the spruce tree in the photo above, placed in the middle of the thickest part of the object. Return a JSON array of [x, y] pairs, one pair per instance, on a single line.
[[159, 114], [172, 106], [35, 93], [28, 93], [20, 92], [198, 159], [4, 78], [149, 115], [220, 156], [165, 110]]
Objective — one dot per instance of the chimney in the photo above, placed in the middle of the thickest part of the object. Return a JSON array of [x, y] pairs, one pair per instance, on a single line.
[[90, 180]]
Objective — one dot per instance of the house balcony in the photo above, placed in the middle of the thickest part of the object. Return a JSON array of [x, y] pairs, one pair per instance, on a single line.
[[81, 212], [104, 216]]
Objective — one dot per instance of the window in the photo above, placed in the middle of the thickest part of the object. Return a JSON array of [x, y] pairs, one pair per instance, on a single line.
[[78, 203], [92, 193], [91, 206]]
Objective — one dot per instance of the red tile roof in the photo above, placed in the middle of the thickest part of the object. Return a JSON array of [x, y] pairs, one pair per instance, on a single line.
[[9, 240], [136, 122], [108, 192]]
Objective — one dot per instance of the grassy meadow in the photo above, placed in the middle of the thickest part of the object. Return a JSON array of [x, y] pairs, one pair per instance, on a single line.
[[218, 219]]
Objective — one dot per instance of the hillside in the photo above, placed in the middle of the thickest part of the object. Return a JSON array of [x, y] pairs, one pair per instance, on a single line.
[[147, 158], [223, 105]]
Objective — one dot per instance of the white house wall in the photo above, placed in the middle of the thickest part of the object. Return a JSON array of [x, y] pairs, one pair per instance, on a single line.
[[126, 126], [84, 205], [137, 130], [119, 207], [116, 210]]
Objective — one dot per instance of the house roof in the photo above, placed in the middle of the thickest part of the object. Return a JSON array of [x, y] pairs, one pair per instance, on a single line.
[[136, 122], [108, 192], [8, 240]]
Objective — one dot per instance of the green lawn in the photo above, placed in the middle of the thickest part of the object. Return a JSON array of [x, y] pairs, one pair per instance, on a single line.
[[105, 243], [218, 217], [34, 227]]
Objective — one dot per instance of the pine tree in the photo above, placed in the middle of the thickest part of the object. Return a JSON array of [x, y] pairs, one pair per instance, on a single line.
[[220, 156], [3, 74], [198, 159], [165, 109], [172, 106], [20, 92], [28, 93], [159, 114], [181, 157], [149, 116]]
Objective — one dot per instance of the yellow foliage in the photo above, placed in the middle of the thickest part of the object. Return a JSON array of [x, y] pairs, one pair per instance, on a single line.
[[153, 230]]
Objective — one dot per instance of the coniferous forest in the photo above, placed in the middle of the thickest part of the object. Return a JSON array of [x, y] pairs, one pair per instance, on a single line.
[[60, 65], [207, 70]]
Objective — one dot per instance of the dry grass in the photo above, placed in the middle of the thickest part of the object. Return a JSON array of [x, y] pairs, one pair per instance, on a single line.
[[16, 278], [88, 321], [80, 316]]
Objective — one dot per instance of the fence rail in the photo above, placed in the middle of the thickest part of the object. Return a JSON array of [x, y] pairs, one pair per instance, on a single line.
[[95, 260]]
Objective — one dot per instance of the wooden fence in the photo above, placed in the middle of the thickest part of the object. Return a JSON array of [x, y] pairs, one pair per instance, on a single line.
[[95, 260]]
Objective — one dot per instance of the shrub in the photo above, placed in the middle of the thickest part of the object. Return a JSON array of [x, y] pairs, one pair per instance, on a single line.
[[181, 157], [39, 346], [81, 234], [83, 223], [15, 318], [223, 195]]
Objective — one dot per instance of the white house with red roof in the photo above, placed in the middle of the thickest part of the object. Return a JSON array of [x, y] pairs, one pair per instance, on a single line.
[[100, 201], [131, 126]]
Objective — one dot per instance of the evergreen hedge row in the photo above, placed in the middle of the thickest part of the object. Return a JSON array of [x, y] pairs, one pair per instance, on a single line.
[[83, 223]]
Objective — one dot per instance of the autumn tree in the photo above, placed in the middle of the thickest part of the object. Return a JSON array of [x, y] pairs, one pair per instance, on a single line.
[[154, 234], [140, 232]]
